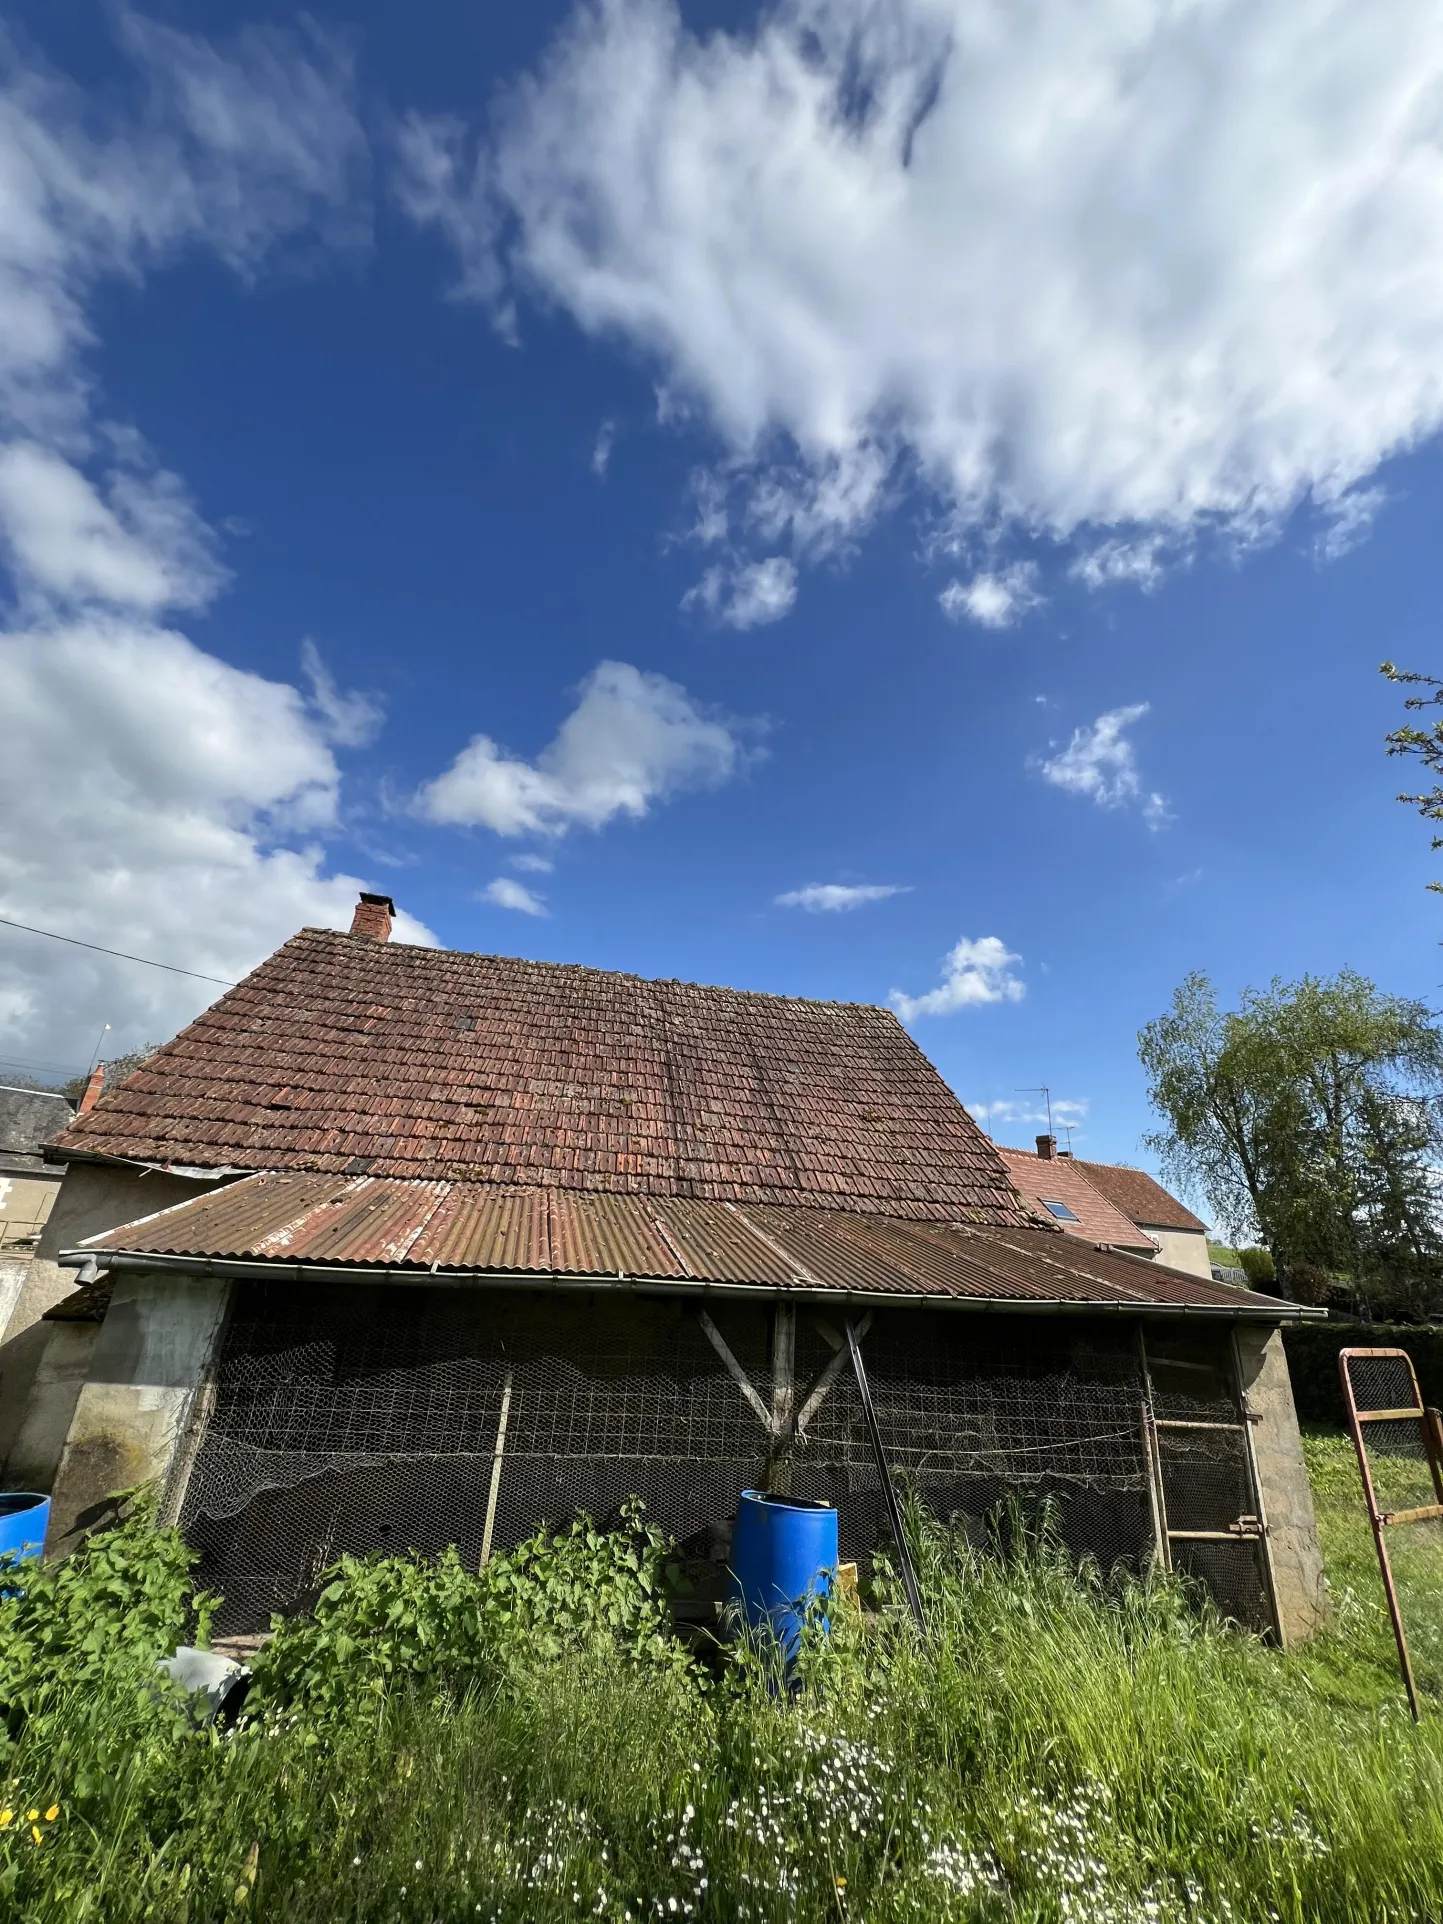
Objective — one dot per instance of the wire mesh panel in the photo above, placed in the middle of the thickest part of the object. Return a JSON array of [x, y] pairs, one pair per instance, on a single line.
[[973, 1411], [1400, 1457], [347, 1420], [1208, 1503]]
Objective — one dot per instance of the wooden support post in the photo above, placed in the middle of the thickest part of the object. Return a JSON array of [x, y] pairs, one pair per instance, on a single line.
[[496, 1456], [1152, 1458], [783, 1413]]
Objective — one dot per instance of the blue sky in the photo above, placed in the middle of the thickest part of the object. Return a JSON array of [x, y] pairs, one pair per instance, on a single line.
[[995, 458]]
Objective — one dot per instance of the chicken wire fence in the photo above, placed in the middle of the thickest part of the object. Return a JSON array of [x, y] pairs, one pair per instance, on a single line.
[[1399, 1446], [348, 1420]]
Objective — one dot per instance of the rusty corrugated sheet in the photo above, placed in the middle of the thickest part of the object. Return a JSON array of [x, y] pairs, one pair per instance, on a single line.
[[389, 1223]]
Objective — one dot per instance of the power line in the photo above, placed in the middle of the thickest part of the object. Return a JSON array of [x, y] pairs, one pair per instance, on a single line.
[[75, 942]]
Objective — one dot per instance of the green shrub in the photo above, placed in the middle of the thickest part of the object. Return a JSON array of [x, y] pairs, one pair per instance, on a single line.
[[434, 1625], [124, 1598], [1312, 1352], [1258, 1266]]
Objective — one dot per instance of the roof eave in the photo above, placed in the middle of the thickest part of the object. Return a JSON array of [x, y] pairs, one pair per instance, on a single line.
[[240, 1269]]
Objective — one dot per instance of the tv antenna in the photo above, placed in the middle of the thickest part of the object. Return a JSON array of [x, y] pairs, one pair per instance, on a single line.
[[1041, 1089]]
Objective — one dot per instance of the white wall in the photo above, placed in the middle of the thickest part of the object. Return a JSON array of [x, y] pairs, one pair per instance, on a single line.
[[1182, 1249]]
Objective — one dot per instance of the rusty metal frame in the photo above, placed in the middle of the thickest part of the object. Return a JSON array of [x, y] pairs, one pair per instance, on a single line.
[[1430, 1429]]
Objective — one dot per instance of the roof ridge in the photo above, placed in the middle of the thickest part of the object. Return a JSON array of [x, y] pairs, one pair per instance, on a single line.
[[587, 968]]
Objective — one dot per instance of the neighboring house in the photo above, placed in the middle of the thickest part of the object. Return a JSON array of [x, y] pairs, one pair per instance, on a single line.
[[41, 1368], [474, 1242], [27, 1182], [1180, 1236], [1057, 1191]]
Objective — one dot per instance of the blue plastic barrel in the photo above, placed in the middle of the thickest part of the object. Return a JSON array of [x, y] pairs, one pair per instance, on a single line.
[[784, 1551], [24, 1519]]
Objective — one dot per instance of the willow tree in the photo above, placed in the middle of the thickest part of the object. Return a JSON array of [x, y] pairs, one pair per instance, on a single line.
[[1310, 1117]]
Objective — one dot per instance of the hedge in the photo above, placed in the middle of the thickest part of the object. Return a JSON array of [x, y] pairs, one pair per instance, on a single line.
[[1313, 1361]]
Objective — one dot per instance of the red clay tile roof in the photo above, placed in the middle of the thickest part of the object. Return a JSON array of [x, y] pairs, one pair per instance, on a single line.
[[1098, 1221], [1137, 1195], [345, 1055], [426, 1227]]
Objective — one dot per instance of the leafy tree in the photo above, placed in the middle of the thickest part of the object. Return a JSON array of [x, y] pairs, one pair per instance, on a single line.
[[1425, 743], [1311, 1116]]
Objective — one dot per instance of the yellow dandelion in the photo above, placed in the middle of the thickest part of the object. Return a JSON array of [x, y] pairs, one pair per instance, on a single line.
[[37, 1833], [32, 1816], [7, 1817], [52, 1813]]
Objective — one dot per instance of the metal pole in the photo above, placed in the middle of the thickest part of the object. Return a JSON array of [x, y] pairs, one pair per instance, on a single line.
[[889, 1493]]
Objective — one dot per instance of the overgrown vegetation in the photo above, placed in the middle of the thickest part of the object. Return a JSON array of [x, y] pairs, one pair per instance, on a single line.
[[530, 1745]]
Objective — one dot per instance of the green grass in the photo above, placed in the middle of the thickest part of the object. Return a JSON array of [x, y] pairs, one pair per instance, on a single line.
[[1058, 1750]]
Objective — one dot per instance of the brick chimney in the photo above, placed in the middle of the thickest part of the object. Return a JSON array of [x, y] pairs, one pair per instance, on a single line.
[[1046, 1147], [94, 1088], [373, 917]]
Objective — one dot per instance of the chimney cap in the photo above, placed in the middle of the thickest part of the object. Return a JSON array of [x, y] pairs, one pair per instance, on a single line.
[[372, 917]]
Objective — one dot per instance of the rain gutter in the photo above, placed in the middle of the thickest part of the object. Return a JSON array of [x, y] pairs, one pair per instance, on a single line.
[[261, 1269]]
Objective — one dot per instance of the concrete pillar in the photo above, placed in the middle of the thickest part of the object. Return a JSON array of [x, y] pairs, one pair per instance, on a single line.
[[43, 1418], [1287, 1495], [93, 1197], [154, 1352]]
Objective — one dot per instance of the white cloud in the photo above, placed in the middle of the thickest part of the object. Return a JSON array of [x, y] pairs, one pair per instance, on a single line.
[[152, 798], [156, 800], [601, 451], [1349, 520], [229, 148], [1133, 267], [633, 739], [349, 718], [746, 594], [533, 864], [145, 548], [1137, 564], [831, 897], [972, 973], [1100, 763], [993, 600], [1009, 1113], [507, 893]]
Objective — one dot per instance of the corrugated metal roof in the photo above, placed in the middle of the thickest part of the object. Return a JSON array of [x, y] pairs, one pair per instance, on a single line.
[[385, 1223]]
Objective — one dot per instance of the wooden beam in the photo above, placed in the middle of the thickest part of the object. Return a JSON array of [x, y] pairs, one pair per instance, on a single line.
[[738, 1374], [817, 1395]]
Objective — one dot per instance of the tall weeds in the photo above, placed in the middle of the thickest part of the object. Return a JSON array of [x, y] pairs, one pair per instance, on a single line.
[[1058, 1747]]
